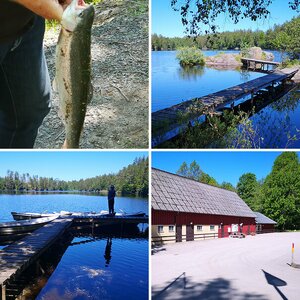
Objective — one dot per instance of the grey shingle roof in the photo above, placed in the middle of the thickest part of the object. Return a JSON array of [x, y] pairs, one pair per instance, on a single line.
[[171, 192], [262, 219]]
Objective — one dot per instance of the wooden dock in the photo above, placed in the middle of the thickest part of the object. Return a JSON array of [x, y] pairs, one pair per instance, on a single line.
[[16, 257], [169, 122], [258, 64], [110, 220]]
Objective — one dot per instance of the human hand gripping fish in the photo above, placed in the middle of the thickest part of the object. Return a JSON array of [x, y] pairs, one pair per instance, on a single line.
[[73, 68]]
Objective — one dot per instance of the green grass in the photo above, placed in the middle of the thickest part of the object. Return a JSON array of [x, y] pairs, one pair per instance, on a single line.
[[138, 7]]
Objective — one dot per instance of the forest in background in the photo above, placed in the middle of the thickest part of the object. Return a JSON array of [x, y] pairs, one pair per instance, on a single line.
[[277, 196], [131, 180], [285, 37]]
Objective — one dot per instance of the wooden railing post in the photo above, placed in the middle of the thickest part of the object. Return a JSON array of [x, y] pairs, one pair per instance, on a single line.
[[3, 292]]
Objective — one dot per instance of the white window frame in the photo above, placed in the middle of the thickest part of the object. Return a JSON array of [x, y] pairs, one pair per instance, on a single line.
[[160, 230], [199, 228], [210, 227], [173, 228]]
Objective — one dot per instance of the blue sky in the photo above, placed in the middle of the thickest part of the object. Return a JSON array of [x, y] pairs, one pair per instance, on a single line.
[[167, 22], [223, 166], [66, 165]]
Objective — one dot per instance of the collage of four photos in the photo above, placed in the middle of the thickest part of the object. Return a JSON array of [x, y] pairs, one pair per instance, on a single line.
[[149, 149]]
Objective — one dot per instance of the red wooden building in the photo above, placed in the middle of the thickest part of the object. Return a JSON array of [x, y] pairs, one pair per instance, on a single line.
[[185, 210], [264, 224]]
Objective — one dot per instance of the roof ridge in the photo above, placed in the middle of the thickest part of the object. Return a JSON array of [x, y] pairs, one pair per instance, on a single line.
[[217, 187]]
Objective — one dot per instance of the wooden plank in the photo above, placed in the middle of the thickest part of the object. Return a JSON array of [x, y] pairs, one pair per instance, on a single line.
[[260, 61], [17, 256]]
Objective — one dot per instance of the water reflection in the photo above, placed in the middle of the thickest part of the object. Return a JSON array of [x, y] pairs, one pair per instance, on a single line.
[[73, 269], [278, 124], [191, 73], [107, 254]]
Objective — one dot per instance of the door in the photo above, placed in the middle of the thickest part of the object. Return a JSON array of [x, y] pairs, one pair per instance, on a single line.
[[178, 233], [221, 231], [189, 233]]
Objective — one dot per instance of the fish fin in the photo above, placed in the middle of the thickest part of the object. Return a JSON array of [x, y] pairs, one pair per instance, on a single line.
[[54, 85]]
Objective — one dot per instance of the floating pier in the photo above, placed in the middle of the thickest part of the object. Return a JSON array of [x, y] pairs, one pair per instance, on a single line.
[[258, 64], [168, 123]]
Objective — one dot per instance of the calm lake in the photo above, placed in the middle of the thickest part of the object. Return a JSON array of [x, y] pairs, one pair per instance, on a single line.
[[276, 126], [172, 84], [98, 267]]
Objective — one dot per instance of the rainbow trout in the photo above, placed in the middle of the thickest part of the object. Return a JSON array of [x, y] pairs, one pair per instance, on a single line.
[[73, 68]]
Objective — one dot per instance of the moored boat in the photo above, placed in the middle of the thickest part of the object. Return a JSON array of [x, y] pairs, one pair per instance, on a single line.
[[23, 226], [28, 216]]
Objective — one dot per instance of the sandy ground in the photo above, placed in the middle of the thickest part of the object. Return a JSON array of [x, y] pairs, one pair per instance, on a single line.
[[117, 116], [251, 268]]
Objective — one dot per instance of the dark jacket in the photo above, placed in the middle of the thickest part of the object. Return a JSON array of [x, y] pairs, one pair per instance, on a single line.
[[111, 194], [14, 20]]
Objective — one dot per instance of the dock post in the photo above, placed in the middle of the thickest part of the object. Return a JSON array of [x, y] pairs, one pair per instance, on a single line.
[[3, 292]]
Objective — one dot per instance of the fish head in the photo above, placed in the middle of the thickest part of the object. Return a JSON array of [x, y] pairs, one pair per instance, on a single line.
[[78, 15]]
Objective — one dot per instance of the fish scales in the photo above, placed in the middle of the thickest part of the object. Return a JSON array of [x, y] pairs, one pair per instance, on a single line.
[[73, 74]]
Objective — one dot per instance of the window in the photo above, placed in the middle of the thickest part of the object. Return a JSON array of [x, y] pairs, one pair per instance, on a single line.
[[160, 228], [199, 227], [212, 227], [171, 228]]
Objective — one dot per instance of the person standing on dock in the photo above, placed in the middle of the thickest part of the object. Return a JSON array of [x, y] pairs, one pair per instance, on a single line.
[[111, 199]]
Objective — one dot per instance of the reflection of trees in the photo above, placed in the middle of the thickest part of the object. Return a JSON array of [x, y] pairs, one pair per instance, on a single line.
[[191, 72], [287, 103]]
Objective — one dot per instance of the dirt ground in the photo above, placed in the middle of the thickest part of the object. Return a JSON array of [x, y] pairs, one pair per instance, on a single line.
[[117, 116], [255, 268]]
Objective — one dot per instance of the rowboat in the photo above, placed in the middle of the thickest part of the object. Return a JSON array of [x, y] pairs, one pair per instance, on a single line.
[[28, 216], [23, 226]]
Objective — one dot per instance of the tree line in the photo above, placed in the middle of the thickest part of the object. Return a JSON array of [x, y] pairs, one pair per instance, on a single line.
[[131, 180], [285, 37], [277, 196]]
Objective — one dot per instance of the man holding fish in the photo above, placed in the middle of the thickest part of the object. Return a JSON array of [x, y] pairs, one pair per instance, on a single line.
[[24, 80]]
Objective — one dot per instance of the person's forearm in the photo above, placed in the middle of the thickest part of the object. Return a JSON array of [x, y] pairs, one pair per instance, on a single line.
[[49, 9]]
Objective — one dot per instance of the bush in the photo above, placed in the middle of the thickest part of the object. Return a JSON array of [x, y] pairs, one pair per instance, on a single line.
[[190, 56]]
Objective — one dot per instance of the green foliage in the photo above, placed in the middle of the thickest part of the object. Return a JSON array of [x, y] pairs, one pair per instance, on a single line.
[[193, 171], [248, 190], [290, 63], [285, 37], [190, 56], [131, 180], [281, 191], [245, 47], [230, 131], [228, 186], [198, 13]]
